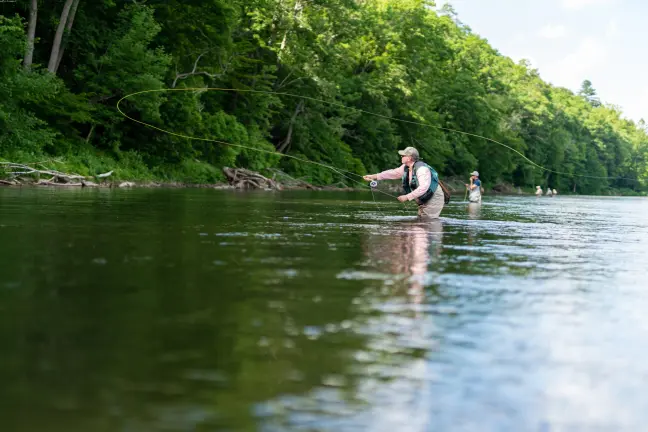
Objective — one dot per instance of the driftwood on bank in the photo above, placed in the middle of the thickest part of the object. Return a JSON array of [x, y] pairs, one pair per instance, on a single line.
[[242, 178], [37, 174], [15, 175]]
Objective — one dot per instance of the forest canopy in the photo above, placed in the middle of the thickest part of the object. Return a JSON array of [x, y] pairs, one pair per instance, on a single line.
[[64, 64]]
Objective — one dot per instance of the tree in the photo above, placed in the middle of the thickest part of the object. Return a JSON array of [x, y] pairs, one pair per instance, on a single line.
[[68, 30], [58, 37], [21, 130], [588, 92]]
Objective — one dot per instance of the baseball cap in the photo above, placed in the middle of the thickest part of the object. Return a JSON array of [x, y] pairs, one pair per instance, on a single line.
[[409, 151], [475, 173]]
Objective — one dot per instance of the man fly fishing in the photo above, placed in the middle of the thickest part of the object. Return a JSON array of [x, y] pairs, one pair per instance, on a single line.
[[420, 183], [474, 188]]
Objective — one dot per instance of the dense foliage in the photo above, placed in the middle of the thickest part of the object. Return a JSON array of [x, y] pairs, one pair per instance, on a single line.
[[398, 58]]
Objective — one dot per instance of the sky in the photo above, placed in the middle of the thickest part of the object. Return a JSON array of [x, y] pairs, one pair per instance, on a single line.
[[569, 41]]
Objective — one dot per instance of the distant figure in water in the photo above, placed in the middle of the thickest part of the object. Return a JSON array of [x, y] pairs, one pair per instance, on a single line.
[[420, 183], [474, 188], [555, 192], [548, 191], [538, 191]]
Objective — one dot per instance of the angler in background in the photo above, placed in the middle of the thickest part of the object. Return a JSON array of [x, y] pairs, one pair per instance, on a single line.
[[474, 188], [538, 191], [420, 183]]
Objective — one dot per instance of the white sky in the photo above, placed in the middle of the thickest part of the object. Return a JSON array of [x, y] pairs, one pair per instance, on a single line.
[[569, 41]]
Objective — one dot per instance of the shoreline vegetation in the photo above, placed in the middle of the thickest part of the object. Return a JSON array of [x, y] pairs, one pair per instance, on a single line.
[[40, 175], [368, 74]]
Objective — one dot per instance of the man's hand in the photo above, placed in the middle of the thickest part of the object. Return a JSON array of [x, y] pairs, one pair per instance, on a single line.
[[370, 177], [402, 198]]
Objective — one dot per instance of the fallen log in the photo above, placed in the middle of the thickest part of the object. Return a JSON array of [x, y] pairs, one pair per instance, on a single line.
[[242, 178], [15, 174], [47, 183], [16, 169]]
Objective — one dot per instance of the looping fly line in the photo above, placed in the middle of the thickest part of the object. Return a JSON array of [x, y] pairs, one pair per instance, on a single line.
[[338, 170]]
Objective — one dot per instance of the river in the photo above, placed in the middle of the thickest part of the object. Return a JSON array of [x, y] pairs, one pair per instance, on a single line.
[[199, 309]]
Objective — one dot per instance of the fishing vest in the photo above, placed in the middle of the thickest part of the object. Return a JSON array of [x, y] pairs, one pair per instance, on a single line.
[[410, 186]]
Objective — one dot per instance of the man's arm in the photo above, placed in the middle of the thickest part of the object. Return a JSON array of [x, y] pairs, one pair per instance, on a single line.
[[391, 174]]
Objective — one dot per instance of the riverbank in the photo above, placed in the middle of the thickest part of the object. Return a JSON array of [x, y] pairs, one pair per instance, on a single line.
[[88, 171], [34, 175], [188, 174]]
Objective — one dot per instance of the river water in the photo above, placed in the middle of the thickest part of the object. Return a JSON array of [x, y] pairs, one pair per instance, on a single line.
[[201, 310]]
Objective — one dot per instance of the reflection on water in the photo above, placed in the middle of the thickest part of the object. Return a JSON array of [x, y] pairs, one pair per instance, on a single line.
[[176, 310], [474, 210], [407, 250]]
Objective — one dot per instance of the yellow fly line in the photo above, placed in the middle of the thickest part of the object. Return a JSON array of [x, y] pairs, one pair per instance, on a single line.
[[336, 104]]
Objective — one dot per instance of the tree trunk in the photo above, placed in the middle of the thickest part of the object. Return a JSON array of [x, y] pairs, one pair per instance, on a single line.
[[31, 34], [58, 37], [92, 128], [68, 30], [284, 145]]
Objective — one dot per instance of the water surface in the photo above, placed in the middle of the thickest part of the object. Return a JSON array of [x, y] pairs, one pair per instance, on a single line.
[[202, 310]]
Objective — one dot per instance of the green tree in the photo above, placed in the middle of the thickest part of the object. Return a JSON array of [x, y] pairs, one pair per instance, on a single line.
[[588, 92]]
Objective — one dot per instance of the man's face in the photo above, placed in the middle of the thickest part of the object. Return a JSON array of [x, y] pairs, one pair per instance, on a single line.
[[406, 159]]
